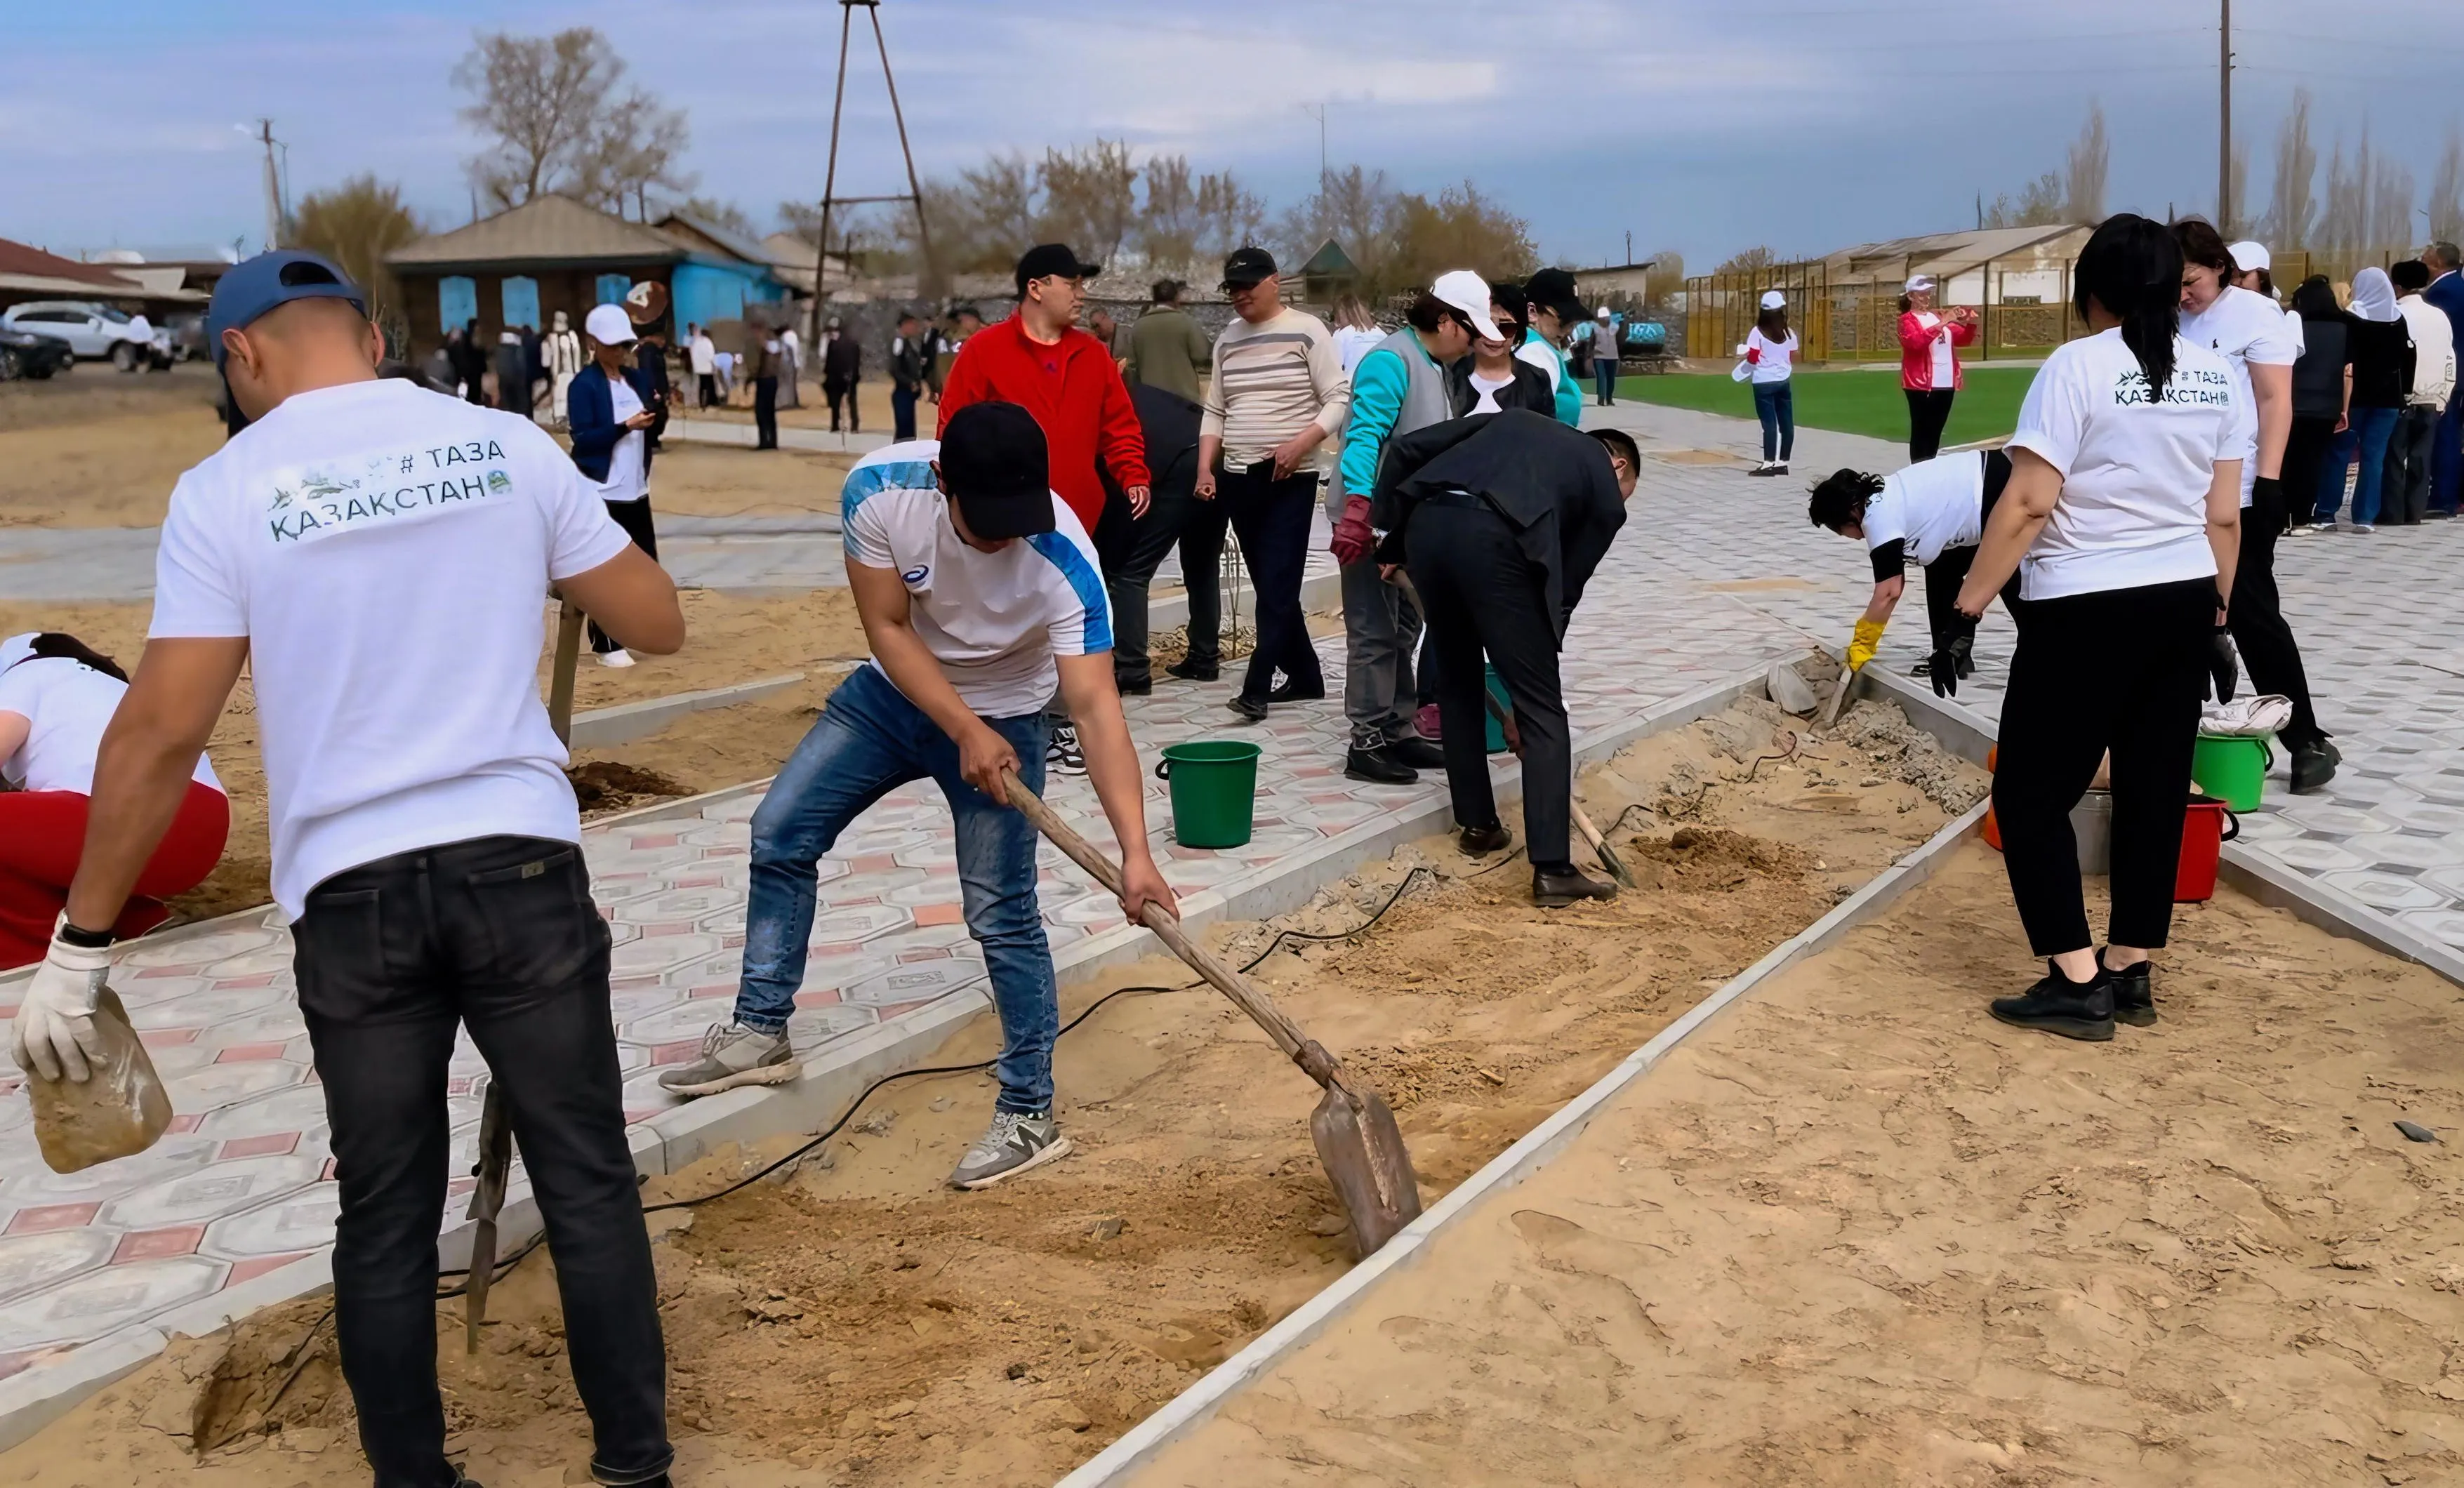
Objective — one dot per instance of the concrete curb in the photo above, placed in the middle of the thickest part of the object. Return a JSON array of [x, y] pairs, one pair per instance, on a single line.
[[1194, 1405], [601, 727], [676, 1138]]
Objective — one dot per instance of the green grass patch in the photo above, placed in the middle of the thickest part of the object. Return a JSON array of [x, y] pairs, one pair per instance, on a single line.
[[1851, 403]]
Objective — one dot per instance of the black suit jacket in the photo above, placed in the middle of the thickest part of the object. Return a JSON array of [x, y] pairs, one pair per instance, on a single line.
[[1553, 484]]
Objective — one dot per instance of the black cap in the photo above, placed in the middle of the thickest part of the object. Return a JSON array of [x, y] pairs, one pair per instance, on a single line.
[[1047, 259], [1553, 290], [995, 466], [1247, 267]]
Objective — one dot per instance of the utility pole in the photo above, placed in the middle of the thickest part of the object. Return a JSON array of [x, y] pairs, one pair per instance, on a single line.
[[1317, 111], [2223, 118], [273, 188], [1629, 244]]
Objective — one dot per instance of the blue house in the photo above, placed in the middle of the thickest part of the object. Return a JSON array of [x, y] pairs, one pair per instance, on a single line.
[[524, 263]]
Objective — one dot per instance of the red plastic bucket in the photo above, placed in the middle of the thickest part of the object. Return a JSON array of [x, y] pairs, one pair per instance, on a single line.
[[2205, 827]]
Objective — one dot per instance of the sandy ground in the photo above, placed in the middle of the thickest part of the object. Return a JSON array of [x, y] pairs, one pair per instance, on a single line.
[[1856, 1233], [731, 640], [860, 1325]]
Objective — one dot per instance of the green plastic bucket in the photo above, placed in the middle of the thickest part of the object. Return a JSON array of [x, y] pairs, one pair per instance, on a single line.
[[1496, 685], [2233, 770], [1214, 791]]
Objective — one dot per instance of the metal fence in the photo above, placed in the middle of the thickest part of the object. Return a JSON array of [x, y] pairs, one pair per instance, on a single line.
[[1858, 320]]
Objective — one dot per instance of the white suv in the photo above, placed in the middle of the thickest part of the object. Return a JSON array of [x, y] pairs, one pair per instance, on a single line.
[[93, 331]]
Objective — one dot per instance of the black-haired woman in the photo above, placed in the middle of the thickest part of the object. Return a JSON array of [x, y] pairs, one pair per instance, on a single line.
[[2322, 391], [2122, 520], [1497, 376], [2260, 346], [1771, 353], [1935, 512], [57, 696]]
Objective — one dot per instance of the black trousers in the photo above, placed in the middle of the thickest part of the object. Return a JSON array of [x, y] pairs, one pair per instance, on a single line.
[[1130, 549], [2269, 653], [1201, 579], [1271, 520], [2403, 494], [838, 393], [1928, 410], [497, 934], [2305, 458], [902, 414], [765, 413], [1482, 595], [634, 516], [2121, 670], [707, 385]]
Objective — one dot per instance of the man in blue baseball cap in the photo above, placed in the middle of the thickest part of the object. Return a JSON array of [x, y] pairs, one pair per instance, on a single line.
[[378, 555]]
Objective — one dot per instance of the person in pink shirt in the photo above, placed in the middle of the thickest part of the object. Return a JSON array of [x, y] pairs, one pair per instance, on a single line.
[[1929, 362]]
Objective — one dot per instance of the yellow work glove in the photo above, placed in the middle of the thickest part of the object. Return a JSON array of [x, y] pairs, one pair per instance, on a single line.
[[1869, 640]]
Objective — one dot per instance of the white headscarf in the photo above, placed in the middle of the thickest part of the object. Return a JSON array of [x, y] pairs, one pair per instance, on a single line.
[[18, 648], [2373, 295]]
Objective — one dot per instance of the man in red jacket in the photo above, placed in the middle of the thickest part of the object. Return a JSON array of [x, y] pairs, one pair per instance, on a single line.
[[1038, 359]]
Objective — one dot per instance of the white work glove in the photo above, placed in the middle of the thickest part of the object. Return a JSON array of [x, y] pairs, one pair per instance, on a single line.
[[55, 1031]]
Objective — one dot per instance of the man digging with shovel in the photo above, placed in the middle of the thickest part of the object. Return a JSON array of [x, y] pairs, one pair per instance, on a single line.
[[977, 589], [379, 557]]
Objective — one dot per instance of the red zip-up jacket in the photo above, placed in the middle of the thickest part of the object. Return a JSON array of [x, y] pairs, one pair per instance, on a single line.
[[1916, 351], [1077, 396]]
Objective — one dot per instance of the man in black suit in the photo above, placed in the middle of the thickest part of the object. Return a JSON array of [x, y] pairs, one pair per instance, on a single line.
[[1499, 521]]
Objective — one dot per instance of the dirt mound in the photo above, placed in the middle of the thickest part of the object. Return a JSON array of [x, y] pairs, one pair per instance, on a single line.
[[605, 785], [1906, 753], [1712, 859]]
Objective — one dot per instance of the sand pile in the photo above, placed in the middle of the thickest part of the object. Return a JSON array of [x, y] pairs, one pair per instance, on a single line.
[[860, 1324]]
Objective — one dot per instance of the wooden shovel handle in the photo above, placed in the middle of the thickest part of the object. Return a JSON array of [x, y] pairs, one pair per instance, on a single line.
[[1296, 1045]]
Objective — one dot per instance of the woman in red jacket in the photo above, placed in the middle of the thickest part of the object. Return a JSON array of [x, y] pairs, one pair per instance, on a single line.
[[1930, 364]]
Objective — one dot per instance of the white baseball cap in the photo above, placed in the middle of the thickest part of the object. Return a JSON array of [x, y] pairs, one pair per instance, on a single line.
[[1919, 283], [1604, 312], [1467, 291], [2250, 257], [608, 325], [1773, 300]]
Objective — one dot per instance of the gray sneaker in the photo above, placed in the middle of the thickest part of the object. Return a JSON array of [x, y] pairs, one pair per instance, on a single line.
[[1014, 1142], [734, 1055]]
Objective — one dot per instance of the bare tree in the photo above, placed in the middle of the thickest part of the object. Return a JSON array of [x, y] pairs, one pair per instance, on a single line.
[[1667, 276], [2291, 211], [633, 147], [538, 100], [1458, 229], [1230, 214], [1169, 221], [2083, 175], [2043, 204], [1003, 206], [719, 215], [355, 224], [1090, 198], [1354, 207], [1762, 256], [2446, 202], [2391, 189], [2345, 226]]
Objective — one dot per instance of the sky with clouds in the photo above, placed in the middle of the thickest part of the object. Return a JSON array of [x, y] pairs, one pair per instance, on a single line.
[[1702, 125]]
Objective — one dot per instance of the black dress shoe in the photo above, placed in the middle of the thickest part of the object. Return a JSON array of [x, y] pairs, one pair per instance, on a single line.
[[1193, 672], [2060, 1005], [2133, 1002], [1251, 710], [1292, 692], [1377, 766], [2314, 765], [1144, 688], [1554, 889], [1480, 839], [1419, 753]]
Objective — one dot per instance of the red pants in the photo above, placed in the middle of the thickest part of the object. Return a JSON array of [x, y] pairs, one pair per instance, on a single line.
[[42, 832]]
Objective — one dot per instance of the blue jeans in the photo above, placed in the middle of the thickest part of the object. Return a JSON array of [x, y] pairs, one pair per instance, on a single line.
[[1775, 405], [1604, 370], [2368, 431], [869, 741]]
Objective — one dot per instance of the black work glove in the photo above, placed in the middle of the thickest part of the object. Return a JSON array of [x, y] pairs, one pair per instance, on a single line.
[[1944, 669], [2224, 669], [2267, 501]]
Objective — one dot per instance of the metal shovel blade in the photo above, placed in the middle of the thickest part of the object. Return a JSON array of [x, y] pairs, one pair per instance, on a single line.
[[486, 1200], [1362, 1152]]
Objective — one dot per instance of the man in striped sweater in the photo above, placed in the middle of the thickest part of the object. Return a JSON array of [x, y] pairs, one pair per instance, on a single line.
[[1277, 392]]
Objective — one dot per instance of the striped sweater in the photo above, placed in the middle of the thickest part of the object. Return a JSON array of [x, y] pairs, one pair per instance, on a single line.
[[1269, 383]]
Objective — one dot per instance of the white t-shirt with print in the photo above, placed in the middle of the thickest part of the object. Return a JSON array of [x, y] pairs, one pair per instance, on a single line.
[[1933, 506], [994, 621], [68, 704], [1778, 357], [386, 552], [2134, 468], [2244, 326]]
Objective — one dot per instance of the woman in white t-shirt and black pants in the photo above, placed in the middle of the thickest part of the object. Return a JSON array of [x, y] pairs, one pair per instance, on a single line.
[[1771, 353], [2122, 517]]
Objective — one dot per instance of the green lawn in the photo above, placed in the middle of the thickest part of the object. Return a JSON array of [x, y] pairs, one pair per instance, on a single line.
[[1852, 403]]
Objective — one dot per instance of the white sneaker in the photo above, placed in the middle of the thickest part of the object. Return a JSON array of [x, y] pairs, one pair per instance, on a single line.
[[619, 657], [2364, 528]]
